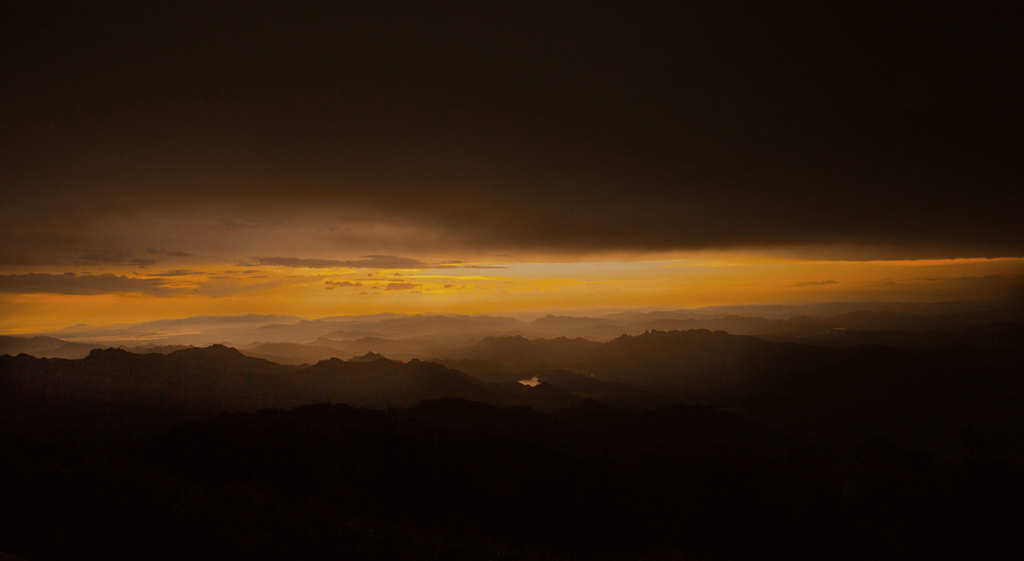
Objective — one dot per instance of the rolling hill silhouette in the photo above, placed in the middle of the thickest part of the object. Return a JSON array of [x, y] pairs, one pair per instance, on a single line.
[[916, 394], [42, 346], [664, 444]]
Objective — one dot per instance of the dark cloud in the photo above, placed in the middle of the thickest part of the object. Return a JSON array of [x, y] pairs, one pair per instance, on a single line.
[[966, 278], [224, 285], [462, 265], [400, 286], [175, 273], [817, 283], [839, 127], [114, 258], [166, 252], [301, 262], [370, 262], [331, 285], [70, 283], [367, 262]]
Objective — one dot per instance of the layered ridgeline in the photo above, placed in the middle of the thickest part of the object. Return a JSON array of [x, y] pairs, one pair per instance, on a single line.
[[43, 346], [913, 393], [117, 388], [118, 385], [662, 445], [866, 387], [292, 340]]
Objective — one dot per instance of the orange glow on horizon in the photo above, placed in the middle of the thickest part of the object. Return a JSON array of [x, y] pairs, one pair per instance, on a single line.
[[703, 280]]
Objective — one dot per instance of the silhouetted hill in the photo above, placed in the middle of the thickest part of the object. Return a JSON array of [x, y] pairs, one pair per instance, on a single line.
[[114, 385], [458, 479], [368, 357], [455, 478], [911, 393], [994, 336], [375, 381], [290, 353], [162, 349], [297, 341], [562, 326], [43, 347], [665, 445], [512, 358], [119, 387], [589, 387], [653, 358], [907, 391], [424, 325]]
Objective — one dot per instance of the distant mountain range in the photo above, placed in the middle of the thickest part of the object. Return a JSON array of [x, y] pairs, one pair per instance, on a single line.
[[291, 340], [42, 346], [113, 385], [693, 437], [776, 382]]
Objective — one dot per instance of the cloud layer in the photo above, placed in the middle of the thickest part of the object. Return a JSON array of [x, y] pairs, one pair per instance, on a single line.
[[70, 283], [367, 262], [837, 130]]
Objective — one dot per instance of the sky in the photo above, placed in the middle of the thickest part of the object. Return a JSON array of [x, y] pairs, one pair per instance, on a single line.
[[161, 161]]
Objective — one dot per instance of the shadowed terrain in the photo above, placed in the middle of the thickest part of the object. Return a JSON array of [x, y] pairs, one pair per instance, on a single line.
[[663, 444]]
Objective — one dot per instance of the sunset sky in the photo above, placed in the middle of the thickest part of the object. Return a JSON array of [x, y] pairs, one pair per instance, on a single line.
[[160, 163]]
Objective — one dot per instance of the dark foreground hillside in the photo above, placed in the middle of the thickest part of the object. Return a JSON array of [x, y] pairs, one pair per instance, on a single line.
[[100, 460]]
